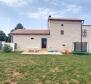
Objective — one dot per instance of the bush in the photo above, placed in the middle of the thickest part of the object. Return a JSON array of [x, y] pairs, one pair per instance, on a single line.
[[7, 48], [81, 53]]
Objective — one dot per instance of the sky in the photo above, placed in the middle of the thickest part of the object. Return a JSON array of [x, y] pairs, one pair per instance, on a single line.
[[33, 14]]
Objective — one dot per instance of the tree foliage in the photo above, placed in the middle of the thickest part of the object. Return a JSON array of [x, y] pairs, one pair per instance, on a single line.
[[2, 36], [8, 38], [19, 26]]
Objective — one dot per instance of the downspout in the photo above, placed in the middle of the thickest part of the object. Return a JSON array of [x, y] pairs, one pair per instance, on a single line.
[[82, 35]]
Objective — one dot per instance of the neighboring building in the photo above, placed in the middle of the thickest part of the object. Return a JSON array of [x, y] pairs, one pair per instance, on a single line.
[[87, 36], [62, 34]]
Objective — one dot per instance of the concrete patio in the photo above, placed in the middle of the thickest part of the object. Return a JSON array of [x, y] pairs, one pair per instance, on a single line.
[[42, 52]]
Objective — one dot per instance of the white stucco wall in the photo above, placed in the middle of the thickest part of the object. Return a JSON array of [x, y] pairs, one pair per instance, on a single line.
[[24, 42], [12, 45], [72, 33]]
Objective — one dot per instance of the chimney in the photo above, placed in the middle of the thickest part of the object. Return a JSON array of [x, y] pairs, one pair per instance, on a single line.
[[49, 16]]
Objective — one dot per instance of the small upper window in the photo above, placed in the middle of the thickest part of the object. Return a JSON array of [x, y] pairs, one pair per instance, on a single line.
[[62, 25], [62, 32]]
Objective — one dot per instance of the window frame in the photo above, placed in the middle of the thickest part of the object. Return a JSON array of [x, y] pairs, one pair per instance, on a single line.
[[62, 32], [84, 32]]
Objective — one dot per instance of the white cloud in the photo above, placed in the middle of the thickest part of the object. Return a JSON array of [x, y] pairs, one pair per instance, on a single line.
[[43, 13], [46, 0], [6, 24], [52, 2], [72, 7], [15, 3]]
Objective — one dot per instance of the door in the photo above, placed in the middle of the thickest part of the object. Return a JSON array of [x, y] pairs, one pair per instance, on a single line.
[[80, 47], [44, 43]]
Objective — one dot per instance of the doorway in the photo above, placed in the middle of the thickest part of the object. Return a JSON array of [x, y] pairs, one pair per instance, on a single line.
[[44, 43]]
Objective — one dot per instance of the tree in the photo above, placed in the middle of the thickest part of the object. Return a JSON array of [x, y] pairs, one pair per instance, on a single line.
[[2, 36], [8, 38], [19, 26], [12, 30]]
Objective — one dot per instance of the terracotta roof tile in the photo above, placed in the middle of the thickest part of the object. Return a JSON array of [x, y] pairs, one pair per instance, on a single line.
[[30, 32]]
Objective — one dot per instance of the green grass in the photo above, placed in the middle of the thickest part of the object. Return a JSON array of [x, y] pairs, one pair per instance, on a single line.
[[44, 69]]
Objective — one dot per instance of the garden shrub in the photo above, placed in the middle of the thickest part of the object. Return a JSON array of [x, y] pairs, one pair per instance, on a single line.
[[7, 48], [80, 53]]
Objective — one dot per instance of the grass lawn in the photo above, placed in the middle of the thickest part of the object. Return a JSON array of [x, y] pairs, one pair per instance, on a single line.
[[44, 69]]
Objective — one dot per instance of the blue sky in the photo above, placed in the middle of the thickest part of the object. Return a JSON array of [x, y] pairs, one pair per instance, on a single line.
[[33, 14]]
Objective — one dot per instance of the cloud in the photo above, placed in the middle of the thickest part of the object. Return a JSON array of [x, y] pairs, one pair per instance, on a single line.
[[71, 9], [6, 24], [53, 2], [43, 13], [66, 7], [46, 0], [15, 3]]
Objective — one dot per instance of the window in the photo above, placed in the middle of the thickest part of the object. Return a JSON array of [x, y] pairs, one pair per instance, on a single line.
[[80, 46], [32, 38], [62, 25], [62, 32], [84, 32]]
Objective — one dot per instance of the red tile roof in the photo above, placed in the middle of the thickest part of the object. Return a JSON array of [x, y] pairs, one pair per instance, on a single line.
[[30, 32]]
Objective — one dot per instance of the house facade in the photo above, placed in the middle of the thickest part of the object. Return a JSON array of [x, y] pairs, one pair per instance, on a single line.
[[62, 34]]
